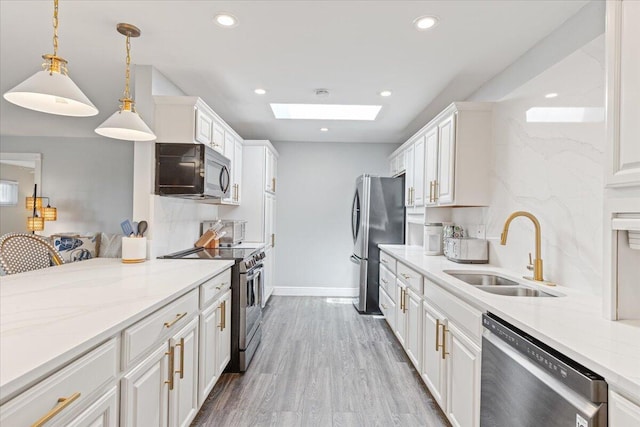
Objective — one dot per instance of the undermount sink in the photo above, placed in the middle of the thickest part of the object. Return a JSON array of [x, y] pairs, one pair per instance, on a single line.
[[499, 285], [486, 279]]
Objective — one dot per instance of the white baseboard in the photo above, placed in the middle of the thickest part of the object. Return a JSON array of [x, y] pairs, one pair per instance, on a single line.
[[315, 292]]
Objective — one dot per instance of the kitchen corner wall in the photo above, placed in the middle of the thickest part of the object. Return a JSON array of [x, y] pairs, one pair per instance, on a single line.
[[316, 182], [553, 170]]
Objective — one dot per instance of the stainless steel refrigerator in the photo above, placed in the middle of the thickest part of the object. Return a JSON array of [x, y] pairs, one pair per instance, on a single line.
[[377, 216]]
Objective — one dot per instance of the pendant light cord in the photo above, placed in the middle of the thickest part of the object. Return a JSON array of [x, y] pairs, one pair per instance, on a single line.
[[127, 73]]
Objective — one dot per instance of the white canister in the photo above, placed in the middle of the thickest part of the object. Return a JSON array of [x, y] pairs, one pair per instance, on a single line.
[[433, 238], [134, 249]]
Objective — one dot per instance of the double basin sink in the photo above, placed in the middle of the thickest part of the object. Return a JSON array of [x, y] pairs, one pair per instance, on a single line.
[[496, 284]]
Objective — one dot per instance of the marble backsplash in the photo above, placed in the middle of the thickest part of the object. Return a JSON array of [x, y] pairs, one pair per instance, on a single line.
[[554, 170]]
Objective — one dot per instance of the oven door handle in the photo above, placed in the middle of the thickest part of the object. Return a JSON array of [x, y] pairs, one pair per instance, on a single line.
[[255, 272]]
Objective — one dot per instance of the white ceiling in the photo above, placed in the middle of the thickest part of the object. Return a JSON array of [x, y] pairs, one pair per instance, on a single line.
[[353, 48]]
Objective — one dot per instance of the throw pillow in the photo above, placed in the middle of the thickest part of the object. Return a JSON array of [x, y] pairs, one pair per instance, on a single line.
[[75, 248], [110, 245]]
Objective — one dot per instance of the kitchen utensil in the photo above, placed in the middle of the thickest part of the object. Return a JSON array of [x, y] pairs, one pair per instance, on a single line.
[[142, 228], [135, 228], [127, 228]]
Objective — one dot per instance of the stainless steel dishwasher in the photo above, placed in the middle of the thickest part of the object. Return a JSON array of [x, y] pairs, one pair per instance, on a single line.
[[527, 383]]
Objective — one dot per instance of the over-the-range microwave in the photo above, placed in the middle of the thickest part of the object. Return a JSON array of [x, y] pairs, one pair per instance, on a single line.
[[192, 171]]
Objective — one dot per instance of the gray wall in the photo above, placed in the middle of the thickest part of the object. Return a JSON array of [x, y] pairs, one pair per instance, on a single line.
[[13, 219], [316, 185], [89, 180]]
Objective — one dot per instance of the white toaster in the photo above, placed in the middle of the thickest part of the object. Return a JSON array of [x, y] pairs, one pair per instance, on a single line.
[[466, 250]]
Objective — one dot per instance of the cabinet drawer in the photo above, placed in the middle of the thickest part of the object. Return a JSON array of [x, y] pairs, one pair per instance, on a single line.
[[76, 382], [462, 314], [388, 308], [388, 261], [387, 280], [139, 338], [212, 287], [410, 277]]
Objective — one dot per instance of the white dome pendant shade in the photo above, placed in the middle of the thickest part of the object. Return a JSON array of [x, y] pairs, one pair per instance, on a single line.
[[51, 90], [126, 123]]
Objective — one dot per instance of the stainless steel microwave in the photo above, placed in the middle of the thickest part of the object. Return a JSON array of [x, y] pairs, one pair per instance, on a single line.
[[191, 171]]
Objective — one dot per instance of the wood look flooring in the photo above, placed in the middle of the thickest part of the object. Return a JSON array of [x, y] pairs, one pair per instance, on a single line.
[[322, 364]]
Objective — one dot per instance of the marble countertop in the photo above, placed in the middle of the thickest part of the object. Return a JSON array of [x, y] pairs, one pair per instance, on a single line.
[[572, 323], [50, 316]]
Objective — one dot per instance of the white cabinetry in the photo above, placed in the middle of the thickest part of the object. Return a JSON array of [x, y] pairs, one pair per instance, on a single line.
[[233, 151], [64, 396], [447, 159], [623, 93], [145, 391], [215, 332], [409, 312], [183, 396], [433, 365], [259, 175], [103, 413], [188, 119], [401, 314], [623, 412]]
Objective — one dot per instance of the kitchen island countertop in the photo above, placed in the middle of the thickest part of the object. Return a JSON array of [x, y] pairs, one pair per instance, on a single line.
[[571, 323], [51, 316]]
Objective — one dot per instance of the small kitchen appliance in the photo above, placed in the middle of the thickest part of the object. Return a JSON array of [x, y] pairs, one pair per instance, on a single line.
[[433, 239], [466, 250]]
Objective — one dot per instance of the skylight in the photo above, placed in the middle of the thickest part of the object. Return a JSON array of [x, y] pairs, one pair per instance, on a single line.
[[325, 111]]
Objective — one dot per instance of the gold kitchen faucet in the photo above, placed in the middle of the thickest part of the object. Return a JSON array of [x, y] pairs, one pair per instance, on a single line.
[[537, 262]]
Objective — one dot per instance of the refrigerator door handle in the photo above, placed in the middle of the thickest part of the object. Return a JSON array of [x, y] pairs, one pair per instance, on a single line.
[[355, 216]]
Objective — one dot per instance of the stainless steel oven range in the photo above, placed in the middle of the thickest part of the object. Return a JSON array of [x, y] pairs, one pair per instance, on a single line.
[[246, 294]]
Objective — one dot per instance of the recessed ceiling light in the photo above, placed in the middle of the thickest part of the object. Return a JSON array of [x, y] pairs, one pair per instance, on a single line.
[[551, 95], [226, 20], [324, 129], [260, 91], [385, 93], [425, 22], [325, 111]]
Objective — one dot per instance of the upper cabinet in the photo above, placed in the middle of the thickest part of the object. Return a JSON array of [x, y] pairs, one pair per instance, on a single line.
[[447, 161], [271, 166], [189, 120], [623, 93]]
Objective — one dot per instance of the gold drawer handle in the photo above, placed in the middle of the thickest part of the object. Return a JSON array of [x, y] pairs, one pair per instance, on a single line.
[[63, 402], [222, 285], [406, 276], [384, 281], [171, 355], [174, 321], [444, 341], [384, 306], [223, 315], [437, 334], [383, 260]]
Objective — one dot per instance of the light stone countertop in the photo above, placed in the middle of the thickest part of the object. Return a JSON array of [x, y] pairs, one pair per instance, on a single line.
[[53, 315], [572, 324]]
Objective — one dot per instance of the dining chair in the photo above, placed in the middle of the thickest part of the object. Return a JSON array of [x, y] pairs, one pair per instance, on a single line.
[[20, 252]]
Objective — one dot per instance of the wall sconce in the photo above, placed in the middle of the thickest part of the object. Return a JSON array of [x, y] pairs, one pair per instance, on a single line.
[[48, 213]]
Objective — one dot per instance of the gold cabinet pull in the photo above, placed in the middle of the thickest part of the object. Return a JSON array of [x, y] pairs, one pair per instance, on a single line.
[[173, 322], [273, 184], [223, 315], [63, 402], [384, 306], [181, 371], [405, 301], [431, 191], [384, 260], [402, 299], [384, 281], [273, 240], [437, 334], [406, 276], [170, 353], [444, 341], [436, 196]]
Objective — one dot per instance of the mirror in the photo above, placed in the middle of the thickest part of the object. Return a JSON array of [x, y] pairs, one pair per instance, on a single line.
[[18, 173]]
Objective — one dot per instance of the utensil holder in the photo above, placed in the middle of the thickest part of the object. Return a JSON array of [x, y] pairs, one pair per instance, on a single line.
[[134, 250]]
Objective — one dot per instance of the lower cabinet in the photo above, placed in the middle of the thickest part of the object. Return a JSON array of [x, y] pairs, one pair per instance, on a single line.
[[163, 389], [433, 364], [622, 412], [463, 378], [388, 307], [145, 391], [215, 343], [103, 413], [413, 341], [401, 314]]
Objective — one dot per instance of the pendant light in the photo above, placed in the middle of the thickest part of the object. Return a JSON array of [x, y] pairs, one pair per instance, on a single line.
[[126, 123], [52, 90]]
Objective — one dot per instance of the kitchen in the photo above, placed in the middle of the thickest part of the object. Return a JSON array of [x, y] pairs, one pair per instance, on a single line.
[[557, 171]]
